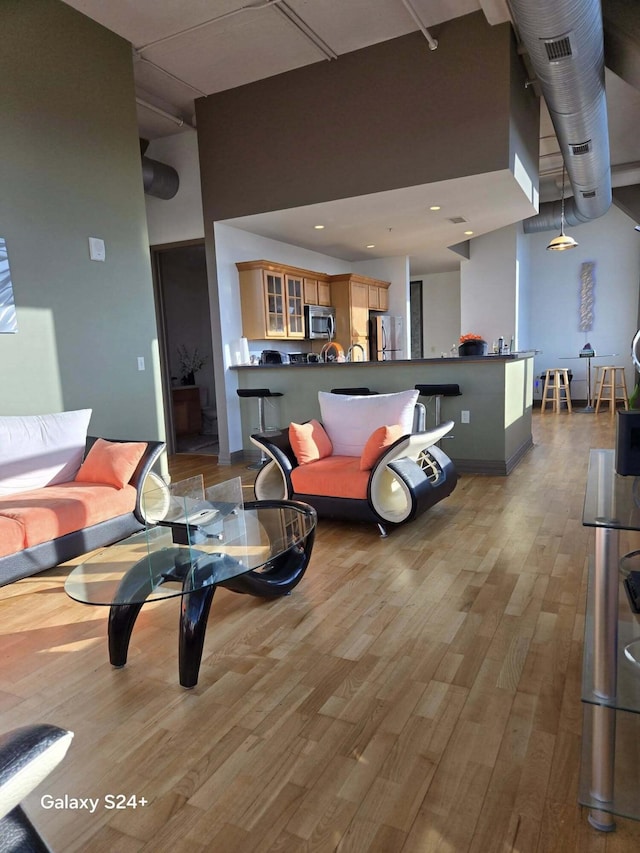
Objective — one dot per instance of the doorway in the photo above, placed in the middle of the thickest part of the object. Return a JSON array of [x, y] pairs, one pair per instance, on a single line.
[[181, 295], [415, 307]]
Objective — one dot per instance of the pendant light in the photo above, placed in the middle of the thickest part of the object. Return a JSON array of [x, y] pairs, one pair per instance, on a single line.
[[562, 241]]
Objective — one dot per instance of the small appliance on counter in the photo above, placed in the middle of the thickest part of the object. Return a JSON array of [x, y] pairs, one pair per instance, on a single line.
[[298, 357], [274, 356]]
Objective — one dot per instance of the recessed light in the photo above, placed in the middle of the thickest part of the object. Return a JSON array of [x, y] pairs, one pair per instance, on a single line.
[[468, 233], [371, 245], [318, 227], [435, 207]]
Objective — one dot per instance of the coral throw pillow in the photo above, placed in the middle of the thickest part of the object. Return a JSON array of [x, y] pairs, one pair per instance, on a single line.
[[111, 462], [309, 442], [377, 442]]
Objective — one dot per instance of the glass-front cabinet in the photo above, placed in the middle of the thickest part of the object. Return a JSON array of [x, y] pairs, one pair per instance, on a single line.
[[274, 303], [272, 300], [295, 306]]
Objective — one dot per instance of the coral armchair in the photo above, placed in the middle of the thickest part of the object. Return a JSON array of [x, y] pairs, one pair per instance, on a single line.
[[409, 477]]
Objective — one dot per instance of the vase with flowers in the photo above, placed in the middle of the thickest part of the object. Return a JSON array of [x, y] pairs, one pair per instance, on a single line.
[[472, 345], [190, 363]]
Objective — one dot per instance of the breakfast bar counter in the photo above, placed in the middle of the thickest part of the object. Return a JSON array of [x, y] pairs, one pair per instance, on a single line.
[[496, 397]]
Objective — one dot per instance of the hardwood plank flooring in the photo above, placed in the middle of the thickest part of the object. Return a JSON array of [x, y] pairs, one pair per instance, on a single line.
[[417, 693]]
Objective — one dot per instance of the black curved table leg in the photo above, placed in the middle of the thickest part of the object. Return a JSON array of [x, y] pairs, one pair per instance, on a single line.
[[193, 626], [122, 618], [279, 576]]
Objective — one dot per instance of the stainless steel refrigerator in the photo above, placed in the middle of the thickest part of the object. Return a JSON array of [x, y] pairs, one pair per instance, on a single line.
[[386, 337]]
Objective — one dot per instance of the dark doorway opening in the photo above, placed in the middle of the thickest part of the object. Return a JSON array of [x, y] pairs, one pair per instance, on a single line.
[[415, 308], [184, 336]]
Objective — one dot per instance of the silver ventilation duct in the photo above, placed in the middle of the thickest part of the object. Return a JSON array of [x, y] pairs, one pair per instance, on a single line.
[[159, 179], [565, 43]]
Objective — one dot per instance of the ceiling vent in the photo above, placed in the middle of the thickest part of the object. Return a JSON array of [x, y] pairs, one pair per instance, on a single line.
[[457, 220], [558, 48], [580, 148]]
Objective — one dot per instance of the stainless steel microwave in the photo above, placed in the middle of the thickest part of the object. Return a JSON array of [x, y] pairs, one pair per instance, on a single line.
[[320, 322]]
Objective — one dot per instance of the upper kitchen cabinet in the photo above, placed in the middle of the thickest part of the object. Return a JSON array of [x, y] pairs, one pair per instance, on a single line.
[[272, 301], [353, 296], [317, 291], [378, 296]]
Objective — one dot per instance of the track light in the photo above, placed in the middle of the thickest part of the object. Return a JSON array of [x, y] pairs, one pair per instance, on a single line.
[[562, 241]]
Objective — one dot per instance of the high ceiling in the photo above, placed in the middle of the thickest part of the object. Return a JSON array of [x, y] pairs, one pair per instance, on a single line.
[[184, 49]]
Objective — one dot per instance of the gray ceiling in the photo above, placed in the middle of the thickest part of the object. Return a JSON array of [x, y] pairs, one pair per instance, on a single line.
[[184, 49]]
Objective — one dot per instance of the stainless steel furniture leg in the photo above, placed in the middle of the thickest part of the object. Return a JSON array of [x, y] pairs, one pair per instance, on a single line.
[[603, 727]]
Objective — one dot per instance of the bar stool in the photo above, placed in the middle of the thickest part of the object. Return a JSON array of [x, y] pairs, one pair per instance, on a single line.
[[354, 392], [556, 380], [612, 388], [260, 394], [437, 392]]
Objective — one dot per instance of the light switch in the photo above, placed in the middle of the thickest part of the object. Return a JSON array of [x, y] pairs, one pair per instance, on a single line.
[[96, 249], [140, 362]]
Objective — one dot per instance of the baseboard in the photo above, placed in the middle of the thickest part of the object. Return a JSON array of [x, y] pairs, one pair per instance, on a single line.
[[497, 468]]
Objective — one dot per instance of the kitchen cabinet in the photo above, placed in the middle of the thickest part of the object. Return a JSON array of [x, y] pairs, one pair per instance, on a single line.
[[378, 298], [351, 296], [317, 292], [272, 301]]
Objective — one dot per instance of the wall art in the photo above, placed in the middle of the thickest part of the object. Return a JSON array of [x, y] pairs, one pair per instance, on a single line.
[[587, 296], [8, 319]]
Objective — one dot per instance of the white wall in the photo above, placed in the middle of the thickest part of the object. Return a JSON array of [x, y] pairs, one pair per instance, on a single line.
[[178, 218], [441, 312], [488, 304], [614, 246]]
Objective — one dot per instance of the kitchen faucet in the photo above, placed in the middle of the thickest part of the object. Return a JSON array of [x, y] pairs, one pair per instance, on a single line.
[[351, 349]]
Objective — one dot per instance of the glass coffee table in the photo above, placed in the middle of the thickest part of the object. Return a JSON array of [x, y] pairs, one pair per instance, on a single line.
[[194, 542]]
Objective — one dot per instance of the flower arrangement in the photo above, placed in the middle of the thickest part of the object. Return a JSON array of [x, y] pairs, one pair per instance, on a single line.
[[190, 362], [470, 337]]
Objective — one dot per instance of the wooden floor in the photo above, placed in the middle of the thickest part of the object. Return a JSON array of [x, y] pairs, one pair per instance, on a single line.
[[417, 693]]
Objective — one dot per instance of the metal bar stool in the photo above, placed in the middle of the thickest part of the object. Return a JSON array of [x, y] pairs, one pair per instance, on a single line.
[[260, 394], [556, 381], [612, 387], [354, 392], [437, 392]]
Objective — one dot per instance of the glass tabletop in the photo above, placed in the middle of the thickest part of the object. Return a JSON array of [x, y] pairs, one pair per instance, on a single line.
[[192, 540], [611, 500]]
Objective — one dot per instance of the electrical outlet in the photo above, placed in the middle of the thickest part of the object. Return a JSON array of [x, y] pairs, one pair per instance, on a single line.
[[464, 416], [140, 362]]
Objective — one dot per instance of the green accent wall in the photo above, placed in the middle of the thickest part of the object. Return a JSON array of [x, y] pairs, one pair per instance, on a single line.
[[70, 170]]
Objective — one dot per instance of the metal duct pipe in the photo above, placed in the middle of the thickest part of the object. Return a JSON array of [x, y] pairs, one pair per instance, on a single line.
[[550, 217], [565, 43], [159, 179]]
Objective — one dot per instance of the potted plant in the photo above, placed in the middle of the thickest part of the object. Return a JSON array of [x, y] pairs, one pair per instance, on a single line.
[[472, 345], [190, 364]]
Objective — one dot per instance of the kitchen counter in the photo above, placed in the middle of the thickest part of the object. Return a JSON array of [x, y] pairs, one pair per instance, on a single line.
[[497, 392]]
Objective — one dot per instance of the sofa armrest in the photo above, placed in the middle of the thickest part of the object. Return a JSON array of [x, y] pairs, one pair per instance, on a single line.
[[274, 479], [27, 756], [144, 466], [412, 475], [411, 446]]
